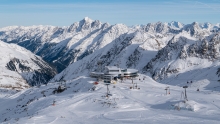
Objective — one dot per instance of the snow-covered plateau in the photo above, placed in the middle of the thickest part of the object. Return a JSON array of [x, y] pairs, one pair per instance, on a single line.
[[169, 56]]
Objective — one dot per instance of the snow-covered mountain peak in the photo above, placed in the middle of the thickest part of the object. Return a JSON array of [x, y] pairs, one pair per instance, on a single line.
[[85, 24], [118, 29], [195, 30], [120, 25], [206, 25], [138, 26], [175, 24], [87, 19], [217, 25], [157, 27], [196, 25], [105, 25]]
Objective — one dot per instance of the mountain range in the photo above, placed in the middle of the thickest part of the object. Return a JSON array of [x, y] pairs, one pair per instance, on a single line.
[[157, 49]]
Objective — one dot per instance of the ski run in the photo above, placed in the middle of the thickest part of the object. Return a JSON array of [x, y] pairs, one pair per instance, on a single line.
[[82, 101]]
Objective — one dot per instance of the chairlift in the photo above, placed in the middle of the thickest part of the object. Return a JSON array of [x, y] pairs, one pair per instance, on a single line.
[[108, 91], [185, 92], [167, 88]]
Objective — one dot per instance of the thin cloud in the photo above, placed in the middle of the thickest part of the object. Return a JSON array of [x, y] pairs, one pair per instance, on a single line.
[[208, 6]]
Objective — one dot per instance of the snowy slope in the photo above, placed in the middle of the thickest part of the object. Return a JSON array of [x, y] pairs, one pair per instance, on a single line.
[[80, 104], [20, 68]]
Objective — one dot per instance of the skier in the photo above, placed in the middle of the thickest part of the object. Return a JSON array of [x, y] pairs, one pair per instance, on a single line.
[[54, 102]]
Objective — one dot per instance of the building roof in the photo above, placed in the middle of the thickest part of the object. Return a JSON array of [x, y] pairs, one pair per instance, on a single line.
[[132, 71], [112, 67]]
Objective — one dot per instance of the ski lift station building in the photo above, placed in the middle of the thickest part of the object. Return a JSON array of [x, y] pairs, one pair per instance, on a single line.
[[114, 71]]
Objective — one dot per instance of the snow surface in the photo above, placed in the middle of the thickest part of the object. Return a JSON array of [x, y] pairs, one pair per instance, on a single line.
[[79, 104]]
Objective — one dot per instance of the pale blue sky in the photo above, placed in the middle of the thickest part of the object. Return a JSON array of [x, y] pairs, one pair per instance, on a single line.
[[129, 12]]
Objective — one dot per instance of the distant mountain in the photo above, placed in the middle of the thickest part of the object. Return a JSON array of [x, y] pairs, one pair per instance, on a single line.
[[19, 68]]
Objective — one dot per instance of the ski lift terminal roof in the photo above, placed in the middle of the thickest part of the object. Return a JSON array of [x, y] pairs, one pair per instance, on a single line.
[[113, 70]]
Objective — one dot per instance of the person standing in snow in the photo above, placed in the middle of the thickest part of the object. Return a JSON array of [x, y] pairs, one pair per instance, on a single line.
[[54, 102]]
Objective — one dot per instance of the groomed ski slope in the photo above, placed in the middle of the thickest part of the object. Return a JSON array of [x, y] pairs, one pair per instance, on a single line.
[[79, 104]]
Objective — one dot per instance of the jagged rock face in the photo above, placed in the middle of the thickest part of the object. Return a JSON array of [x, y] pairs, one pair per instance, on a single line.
[[183, 52], [32, 76], [19, 68], [133, 58], [15, 65]]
